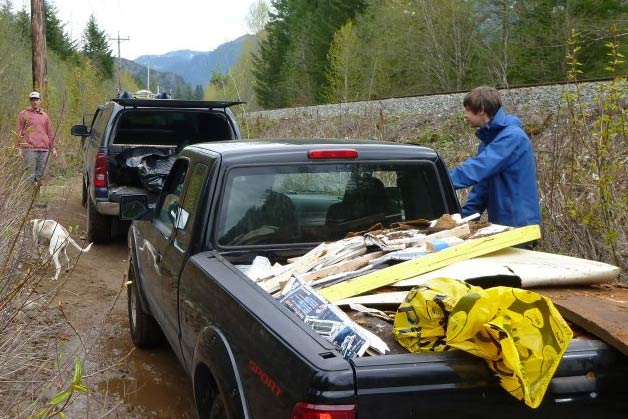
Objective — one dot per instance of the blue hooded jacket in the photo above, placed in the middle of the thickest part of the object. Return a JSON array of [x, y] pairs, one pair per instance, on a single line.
[[503, 174]]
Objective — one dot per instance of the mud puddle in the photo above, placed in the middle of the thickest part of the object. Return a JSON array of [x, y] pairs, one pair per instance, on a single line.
[[123, 381]]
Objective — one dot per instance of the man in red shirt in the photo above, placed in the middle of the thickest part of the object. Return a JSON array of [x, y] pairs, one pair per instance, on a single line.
[[35, 138]]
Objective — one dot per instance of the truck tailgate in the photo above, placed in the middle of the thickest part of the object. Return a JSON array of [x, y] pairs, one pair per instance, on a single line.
[[429, 385]]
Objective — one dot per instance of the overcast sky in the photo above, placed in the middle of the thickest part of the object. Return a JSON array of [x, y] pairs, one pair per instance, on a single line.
[[156, 26]]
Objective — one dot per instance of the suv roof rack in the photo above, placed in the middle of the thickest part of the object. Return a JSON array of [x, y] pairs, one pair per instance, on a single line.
[[168, 103]]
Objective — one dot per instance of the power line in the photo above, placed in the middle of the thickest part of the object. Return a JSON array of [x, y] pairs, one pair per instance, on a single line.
[[120, 59]]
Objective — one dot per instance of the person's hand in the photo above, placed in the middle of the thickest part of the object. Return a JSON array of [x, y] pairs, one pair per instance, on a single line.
[[54, 153]]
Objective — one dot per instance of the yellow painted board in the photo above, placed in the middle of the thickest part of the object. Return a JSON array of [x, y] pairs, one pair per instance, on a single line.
[[470, 249]]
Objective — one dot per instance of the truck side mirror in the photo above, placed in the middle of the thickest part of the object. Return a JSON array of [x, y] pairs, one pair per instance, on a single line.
[[135, 207], [79, 131]]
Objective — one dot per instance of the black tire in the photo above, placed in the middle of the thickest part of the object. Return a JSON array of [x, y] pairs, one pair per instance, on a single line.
[[218, 409], [145, 332], [209, 402], [98, 225], [84, 194]]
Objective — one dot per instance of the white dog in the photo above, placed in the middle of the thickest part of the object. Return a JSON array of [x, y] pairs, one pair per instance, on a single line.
[[58, 237]]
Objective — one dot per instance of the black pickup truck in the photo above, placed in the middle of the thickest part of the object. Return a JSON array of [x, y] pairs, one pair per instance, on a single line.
[[130, 146], [251, 357]]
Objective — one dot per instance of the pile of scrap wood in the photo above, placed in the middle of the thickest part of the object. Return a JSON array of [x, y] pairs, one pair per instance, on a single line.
[[379, 257], [379, 266]]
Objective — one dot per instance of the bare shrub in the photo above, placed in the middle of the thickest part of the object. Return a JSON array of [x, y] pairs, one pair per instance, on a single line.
[[583, 183]]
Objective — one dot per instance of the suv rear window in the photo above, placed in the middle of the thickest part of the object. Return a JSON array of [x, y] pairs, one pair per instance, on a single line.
[[170, 127], [306, 204]]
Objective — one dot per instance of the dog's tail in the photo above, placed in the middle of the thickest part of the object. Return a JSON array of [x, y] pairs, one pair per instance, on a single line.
[[79, 248]]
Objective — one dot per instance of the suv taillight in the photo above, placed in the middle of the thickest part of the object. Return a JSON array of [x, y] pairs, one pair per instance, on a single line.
[[323, 411], [100, 171]]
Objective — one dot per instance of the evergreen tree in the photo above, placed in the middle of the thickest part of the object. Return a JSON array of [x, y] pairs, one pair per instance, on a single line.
[[543, 27], [96, 48], [56, 38], [5, 9], [271, 57], [291, 65], [23, 22], [183, 91], [198, 92]]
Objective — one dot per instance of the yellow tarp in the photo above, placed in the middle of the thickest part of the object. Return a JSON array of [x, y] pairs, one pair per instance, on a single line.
[[519, 333]]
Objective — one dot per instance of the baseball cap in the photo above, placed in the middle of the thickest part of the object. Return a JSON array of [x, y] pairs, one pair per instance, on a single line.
[[34, 95]]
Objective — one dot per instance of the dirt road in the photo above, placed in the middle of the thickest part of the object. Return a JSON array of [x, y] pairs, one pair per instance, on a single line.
[[123, 381]]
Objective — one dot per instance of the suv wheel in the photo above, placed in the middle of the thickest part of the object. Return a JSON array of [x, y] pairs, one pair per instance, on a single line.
[[98, 225], [145, 331]]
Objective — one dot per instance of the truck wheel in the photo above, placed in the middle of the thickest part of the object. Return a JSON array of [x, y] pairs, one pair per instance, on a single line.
[[84, 194], [145, 331], [209, 401], [98, 225], [218, 409]]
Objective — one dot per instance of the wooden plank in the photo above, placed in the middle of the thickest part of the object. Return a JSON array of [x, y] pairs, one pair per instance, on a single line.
[[346, 266], [469, 249], [601, 311]]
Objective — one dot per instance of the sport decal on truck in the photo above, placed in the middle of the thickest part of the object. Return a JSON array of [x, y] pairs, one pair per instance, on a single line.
[[264, 378]]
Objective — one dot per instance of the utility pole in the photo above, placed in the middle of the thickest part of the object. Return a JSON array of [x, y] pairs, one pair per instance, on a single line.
[[38, 29], [120, 60]]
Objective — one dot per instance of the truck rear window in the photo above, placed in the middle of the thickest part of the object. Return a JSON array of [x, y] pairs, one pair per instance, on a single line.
[[306, 204], [170, 127]]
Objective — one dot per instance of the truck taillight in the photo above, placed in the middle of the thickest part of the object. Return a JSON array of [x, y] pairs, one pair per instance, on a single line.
[[332, 154], [100, 171], [323, 411]]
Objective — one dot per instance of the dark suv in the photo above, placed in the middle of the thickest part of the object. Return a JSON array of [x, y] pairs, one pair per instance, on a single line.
[[131, 147]]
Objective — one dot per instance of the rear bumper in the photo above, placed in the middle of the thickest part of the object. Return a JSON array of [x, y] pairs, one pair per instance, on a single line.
[[108, 208], [112, 205]]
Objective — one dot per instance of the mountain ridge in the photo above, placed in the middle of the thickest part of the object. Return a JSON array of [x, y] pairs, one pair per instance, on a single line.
[[196, 67]]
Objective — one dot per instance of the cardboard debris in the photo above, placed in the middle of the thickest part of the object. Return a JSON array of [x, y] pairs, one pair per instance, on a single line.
[[330, 322]]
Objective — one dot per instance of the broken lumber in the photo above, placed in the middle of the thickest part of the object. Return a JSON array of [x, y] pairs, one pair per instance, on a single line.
[[471, 248], [345, 266]]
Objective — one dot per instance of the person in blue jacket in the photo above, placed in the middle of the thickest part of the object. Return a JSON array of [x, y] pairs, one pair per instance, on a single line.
[[503, 173]]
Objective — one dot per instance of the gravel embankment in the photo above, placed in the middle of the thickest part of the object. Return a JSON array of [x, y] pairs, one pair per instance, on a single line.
[[521, 101]]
